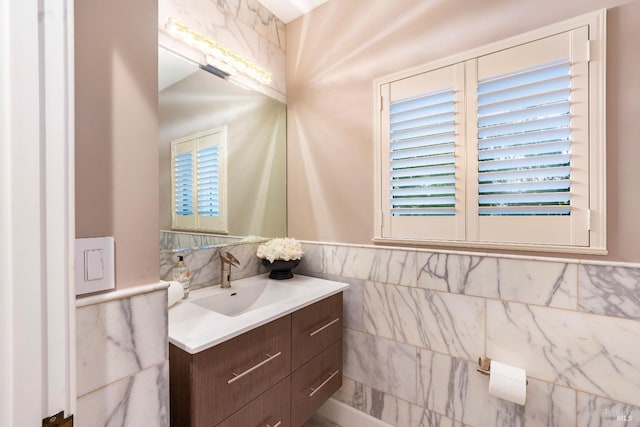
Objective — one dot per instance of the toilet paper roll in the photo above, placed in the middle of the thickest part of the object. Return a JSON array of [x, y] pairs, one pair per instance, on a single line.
[[174, 293], [508, 382]]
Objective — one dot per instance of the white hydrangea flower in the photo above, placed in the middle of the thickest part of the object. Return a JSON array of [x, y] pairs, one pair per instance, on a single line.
[[284, 248]]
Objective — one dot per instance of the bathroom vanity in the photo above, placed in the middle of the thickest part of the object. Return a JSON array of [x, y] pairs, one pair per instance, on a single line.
[[273, 361]]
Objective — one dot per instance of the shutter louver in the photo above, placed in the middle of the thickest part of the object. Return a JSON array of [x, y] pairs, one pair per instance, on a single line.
[[524, 141], [183, 175], [208, 173], [422, 157]]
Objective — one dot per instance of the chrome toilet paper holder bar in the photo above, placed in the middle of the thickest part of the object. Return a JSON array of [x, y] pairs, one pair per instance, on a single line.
[[484, 366]]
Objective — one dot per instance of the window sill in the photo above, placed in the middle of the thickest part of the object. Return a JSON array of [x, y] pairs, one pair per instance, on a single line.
[[486, 245]]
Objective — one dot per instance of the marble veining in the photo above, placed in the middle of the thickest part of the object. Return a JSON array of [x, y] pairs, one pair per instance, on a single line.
[[453, 387], [543, 283], [312, 261], [118, 338], [595, 411], [439, 321], [239, 25], [614, 291], [254, 15], [591, 353], [572, 325], [204, 263], [380, 265], [393, 363], [139, 400], [352, 298]]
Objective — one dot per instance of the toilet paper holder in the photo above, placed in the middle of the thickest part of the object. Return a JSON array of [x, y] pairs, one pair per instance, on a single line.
[[484, 366]]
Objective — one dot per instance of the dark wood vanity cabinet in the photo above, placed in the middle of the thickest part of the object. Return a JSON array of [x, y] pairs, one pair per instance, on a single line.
[[315, 382], [268, 409], [278, 374], [314, 328]]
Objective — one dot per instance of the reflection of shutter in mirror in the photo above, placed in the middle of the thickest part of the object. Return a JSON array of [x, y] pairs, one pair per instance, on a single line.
[[184, 184], [209, 181]]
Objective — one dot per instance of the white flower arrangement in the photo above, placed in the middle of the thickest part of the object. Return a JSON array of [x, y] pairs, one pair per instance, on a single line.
[[285, 248]]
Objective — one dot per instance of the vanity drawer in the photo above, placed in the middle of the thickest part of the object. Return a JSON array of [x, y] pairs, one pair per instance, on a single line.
[[315, 328], [231, 374], [315, 382], [269, 409]]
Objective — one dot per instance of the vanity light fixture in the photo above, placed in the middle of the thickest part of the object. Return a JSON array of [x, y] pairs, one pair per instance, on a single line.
[[217, 54]]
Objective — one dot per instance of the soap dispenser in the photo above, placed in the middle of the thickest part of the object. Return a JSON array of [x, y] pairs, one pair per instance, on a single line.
[[181, 275]]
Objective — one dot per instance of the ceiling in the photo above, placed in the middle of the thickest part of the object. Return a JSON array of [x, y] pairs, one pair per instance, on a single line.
[[288, 10]]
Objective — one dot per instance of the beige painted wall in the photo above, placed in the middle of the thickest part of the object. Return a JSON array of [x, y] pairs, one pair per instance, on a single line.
[[116, 125], [256, 146], [335, 52]]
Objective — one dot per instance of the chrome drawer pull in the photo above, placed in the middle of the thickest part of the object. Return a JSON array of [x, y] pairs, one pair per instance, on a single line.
[[278, 424], [253, 368], [314, 390], [322, 328]]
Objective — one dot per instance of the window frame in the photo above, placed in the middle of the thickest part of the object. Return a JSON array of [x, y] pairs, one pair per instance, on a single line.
[[218, 224], [595, 215]]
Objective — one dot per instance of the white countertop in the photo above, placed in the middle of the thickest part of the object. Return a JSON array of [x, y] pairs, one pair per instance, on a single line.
[[194, 328]]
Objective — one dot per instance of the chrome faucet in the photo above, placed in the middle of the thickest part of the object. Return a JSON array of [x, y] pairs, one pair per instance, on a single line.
[[226, 261]]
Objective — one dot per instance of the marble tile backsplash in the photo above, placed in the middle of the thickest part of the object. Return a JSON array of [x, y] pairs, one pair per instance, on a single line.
[[204, 263], [417, 321]]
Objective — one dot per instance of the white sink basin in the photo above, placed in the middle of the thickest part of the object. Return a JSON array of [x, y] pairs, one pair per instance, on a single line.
[[213, 315], [249, 296]]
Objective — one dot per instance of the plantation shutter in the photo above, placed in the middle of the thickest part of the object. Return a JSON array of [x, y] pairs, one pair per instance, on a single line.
[[421, 161], [183, 170], [208, 182], [501, 147], [423, 154], [524, 141], [211, 182], [531, 159], [198, 181]]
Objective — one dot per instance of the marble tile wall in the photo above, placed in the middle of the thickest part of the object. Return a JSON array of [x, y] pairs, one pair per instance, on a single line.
[[416, 322], [245, 27], [122, 362], [204, 263]]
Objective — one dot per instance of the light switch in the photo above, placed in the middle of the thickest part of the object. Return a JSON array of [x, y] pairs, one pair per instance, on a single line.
[[94, 264]]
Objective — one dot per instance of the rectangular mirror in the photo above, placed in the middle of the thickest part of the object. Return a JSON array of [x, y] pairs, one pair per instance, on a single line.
[[193, 101]]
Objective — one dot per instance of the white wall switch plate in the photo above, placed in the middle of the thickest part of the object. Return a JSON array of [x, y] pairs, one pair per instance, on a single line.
[[94, 265]]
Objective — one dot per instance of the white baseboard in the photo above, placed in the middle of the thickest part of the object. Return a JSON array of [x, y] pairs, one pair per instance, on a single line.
[[347, 416]]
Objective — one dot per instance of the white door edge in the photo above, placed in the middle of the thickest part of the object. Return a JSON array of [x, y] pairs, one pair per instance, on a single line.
[[37, 314]]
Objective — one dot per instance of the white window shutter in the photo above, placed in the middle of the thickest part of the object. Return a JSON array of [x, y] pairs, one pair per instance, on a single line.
[[183, 173], [199, 181], [422, 170], [209, 181], [211, 184], [524, 142], [499, 147], [528, 156], [183, 158]]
